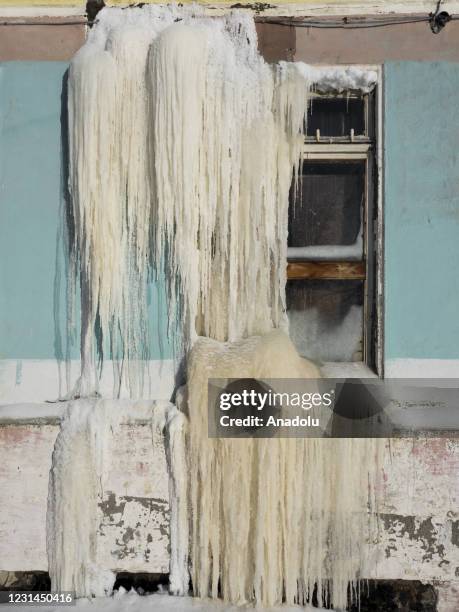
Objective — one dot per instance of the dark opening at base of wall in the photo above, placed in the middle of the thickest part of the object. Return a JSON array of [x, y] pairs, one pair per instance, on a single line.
[[141, 582], [25, 581], [375, 595], [400, 595]]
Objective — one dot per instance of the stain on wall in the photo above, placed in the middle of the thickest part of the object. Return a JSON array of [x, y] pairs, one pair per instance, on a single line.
[[36, 41], [276, 42]]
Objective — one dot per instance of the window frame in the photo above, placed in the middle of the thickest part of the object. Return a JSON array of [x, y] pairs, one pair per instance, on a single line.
[[367, 148]]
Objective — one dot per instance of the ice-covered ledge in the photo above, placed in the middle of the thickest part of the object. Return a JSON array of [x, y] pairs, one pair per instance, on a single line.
[[50, 413], [41, 381]]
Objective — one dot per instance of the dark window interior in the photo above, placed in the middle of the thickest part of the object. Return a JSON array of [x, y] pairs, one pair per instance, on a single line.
[[336, 117], [328, 207]]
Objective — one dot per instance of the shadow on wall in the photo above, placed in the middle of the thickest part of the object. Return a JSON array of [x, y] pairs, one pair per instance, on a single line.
[[63, 339]]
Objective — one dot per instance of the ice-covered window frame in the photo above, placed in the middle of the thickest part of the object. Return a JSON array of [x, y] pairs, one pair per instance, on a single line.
[[331, 246]]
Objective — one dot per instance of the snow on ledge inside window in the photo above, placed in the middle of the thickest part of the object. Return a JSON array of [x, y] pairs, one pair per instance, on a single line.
[[347, 252], [339, 79]]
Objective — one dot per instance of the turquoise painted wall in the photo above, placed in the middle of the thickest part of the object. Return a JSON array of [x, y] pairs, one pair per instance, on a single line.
[[421, 132], [421, 143], [30, 200], [30, 105]]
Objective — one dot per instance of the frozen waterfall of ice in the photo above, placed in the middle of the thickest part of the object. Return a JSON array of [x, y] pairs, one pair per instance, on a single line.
[[183, 146]]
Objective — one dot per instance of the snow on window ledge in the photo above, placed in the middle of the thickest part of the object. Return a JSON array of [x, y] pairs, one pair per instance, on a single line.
[[347, 369]]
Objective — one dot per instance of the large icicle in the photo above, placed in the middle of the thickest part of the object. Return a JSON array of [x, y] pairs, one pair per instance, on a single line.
[[174, 426], [180, 132], [274, 518], [225, 137], [82, 456], [110, 193], [79, 461]]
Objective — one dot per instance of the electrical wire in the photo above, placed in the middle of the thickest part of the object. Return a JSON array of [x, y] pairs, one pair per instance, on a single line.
[[345, 23]]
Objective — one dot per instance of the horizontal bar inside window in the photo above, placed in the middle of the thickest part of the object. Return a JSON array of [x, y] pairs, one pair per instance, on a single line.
[[330, 270]]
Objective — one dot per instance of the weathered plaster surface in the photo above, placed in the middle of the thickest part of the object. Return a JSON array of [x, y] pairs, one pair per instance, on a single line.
[[32, 41], [419, 520], [377, 45], [134, 510], [315, 7]]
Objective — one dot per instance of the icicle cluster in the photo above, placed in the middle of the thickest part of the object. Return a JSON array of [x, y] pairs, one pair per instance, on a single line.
[[273, 519], [179, 133], [226, 138], [80, 458], [110, 192], [173, 424], [183, 146], [82, 455], [183, 143]]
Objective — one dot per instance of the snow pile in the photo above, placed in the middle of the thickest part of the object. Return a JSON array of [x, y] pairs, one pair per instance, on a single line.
[[272, 518], [338, 79]]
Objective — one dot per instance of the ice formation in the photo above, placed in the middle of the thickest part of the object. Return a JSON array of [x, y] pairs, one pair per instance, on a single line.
[[183, 146], [80, 455], [227, 134], [174, 426], [273, 518], [325, 252], [110, 192], [81, 459], [338, 79], [181, 139]]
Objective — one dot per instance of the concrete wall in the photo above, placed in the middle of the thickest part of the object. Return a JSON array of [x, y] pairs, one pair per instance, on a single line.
[[134, 512], [398, 42], [418, 527]]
